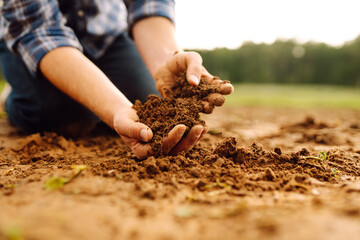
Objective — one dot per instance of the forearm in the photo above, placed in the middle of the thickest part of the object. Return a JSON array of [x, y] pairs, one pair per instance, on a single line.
[[71, 72], [155, 39]]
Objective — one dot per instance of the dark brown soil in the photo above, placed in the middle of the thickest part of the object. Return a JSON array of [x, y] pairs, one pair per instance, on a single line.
[[227, 163], [182, 105], [262, 178], [239, 168]]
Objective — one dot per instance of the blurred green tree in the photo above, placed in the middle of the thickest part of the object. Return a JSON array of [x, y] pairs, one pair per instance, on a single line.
[[286, 61]]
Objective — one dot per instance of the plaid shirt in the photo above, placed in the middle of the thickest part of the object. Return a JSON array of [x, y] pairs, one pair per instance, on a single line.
[[31, 28]]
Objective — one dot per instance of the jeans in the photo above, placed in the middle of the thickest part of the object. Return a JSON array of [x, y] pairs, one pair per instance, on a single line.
[[35, 105]]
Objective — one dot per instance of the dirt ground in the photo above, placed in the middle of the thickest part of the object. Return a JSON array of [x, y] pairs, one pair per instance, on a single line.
[[286, 174]]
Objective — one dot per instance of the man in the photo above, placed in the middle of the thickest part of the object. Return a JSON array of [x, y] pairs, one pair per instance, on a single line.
[[54, 52]]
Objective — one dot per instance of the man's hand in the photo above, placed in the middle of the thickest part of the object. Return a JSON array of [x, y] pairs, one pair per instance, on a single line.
[[155, 39], [136, 135], [165, 77], [191, 62]]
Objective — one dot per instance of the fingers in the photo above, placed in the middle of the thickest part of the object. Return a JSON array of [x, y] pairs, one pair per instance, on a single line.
[[139, 131], [191, 62], [206, 129], [133, 129], [207, 107], [194, 69], [226, 89], [173, 138], [140, 150], [189, 140], [172, 143], [216, 99]]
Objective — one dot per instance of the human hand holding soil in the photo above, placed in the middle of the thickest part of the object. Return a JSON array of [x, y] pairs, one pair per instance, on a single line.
[[191, 63], [155, 39], [182, 134], [137, 135], [132, 132], [184, 98]]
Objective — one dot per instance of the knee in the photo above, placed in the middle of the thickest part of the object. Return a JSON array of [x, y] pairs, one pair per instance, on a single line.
[[32, 117], [26, 117]]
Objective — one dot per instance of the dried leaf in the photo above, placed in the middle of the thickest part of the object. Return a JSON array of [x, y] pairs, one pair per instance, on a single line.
[[55, 183]]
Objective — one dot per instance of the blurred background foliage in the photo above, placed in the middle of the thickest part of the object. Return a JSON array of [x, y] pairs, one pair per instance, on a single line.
[[286, 61]]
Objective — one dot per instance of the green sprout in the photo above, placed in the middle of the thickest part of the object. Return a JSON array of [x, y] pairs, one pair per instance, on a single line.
[[77, 170], [321, 157], [57, 182], [335, 172], [76, 191], [14, 232], [217, 184], [184, 212], [214, 132], [192, 198]]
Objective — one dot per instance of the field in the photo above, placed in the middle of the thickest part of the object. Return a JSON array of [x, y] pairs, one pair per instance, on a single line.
[[298, 96], [289, 172]]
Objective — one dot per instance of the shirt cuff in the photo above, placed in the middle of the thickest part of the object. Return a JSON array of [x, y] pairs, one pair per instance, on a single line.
[[147, 8]]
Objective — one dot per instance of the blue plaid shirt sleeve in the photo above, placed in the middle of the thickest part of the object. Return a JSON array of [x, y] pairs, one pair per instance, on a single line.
[[139, 9], [34, 28]]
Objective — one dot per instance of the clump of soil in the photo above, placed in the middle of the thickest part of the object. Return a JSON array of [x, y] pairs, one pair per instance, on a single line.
[[239, 169], [182, 105], [309, 122]]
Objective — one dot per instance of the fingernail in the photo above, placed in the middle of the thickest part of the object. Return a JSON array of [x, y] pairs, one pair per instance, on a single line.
[[144, 135], [181, 132], [198, 132], [194, 79]]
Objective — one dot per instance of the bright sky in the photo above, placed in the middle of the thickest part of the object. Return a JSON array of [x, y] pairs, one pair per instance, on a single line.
[[207, 24]]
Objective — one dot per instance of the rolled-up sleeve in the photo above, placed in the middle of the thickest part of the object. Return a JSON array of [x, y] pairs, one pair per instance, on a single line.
[[139, 9], [35, 27]]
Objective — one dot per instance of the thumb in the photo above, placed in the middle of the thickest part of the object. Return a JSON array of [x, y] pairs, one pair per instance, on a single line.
[[134, 130], [194, 68], [191, 62]]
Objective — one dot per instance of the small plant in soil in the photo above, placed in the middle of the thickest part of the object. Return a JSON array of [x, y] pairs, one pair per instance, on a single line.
[[57, 182], [13, 232], [217, 184], [321, 157], [335, 172]]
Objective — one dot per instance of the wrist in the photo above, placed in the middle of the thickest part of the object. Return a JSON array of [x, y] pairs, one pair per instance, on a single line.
[[120, 109], [155, 39]]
